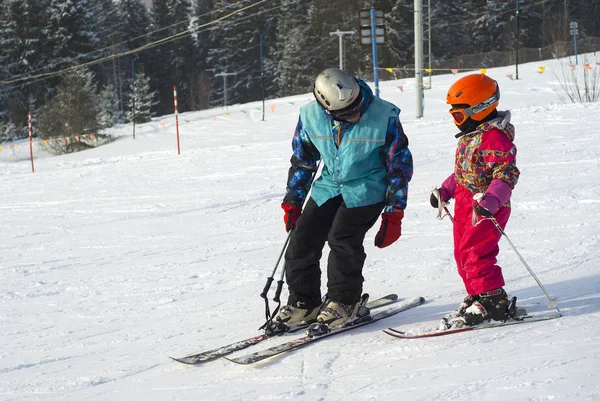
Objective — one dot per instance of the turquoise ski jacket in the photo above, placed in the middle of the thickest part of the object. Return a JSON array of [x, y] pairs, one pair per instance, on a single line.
[[366, 162]]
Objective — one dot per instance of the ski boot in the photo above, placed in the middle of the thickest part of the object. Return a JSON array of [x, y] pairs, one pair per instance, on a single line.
[[290, 318], [489, 305], [468, 301], [336, 314]]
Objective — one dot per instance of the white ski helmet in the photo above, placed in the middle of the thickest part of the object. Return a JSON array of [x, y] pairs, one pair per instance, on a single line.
[[335, 89]]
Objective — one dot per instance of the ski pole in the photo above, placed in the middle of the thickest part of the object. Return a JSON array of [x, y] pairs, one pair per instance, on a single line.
[[448, 214], [553, 302], [276, 298], [281, 275], [270, 281], [474, 220], [270, 278]]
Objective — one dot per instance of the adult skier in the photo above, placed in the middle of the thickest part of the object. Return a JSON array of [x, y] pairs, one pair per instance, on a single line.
[[366, 169], [485, 164]]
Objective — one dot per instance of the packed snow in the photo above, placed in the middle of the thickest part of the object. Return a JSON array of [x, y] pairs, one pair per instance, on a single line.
[[114, 259]]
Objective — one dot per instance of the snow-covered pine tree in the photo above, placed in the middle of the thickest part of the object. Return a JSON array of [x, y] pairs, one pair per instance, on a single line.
[[588, 13], [21, 54], [143, 100], [108, 105], [450, 35], [8, 132], [236, 50], [200, 77], [6, 36], [493, 29], [107, 24], [135, 23], [399, 37], [70, 34], [71, 113], [173, 61], [327, 16], [292, 72]]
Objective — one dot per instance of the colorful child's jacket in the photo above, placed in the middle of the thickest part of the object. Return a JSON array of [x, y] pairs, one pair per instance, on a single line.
[[486, 162], [487, 154]]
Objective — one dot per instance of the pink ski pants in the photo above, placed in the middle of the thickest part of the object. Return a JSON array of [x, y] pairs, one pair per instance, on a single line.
[[476, 247]]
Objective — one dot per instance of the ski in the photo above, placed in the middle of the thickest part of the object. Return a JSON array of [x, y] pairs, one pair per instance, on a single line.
[[436, 333], [300, 342], [216, 353]]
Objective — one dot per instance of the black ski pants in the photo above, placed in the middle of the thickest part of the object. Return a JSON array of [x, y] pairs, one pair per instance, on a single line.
[[344, 229]]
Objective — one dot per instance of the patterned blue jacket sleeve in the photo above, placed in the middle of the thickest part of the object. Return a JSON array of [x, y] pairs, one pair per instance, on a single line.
[[399, 165], [304, 163]]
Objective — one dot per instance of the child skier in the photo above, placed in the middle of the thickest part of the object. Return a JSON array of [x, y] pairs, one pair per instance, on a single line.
[[485, 164]]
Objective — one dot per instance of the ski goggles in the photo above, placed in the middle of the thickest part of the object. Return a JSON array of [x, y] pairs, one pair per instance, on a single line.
[[460, 115], [348, 112]]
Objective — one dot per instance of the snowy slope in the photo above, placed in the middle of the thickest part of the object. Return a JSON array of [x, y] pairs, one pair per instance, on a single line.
[[113, 259]]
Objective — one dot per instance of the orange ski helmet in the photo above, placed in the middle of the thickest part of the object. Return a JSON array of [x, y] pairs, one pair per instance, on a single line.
[[475, 96]]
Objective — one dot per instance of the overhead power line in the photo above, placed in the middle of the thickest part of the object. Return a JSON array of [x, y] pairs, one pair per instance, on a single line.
[[132, 51]]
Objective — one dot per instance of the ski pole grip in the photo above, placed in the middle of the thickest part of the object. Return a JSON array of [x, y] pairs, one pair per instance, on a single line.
[[278, 291], [266, 289]]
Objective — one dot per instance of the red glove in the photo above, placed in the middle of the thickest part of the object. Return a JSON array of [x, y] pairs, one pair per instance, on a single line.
[[291, 215], [390, 229]]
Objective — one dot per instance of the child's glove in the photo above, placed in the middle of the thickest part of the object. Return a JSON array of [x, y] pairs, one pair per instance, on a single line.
[[433, 199], [292, 213], [480, 210], [497, 194], [446, 191], [487, 206], [390, 230]]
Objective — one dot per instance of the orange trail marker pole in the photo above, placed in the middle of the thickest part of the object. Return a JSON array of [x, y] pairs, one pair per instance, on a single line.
[[176, 118]]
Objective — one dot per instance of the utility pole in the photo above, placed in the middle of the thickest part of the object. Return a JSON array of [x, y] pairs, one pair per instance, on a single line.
[[340, 34], [517, 55], [133, 94], [225, 75], [261, 35], [566, 12], [429, 39], [419, 56]]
